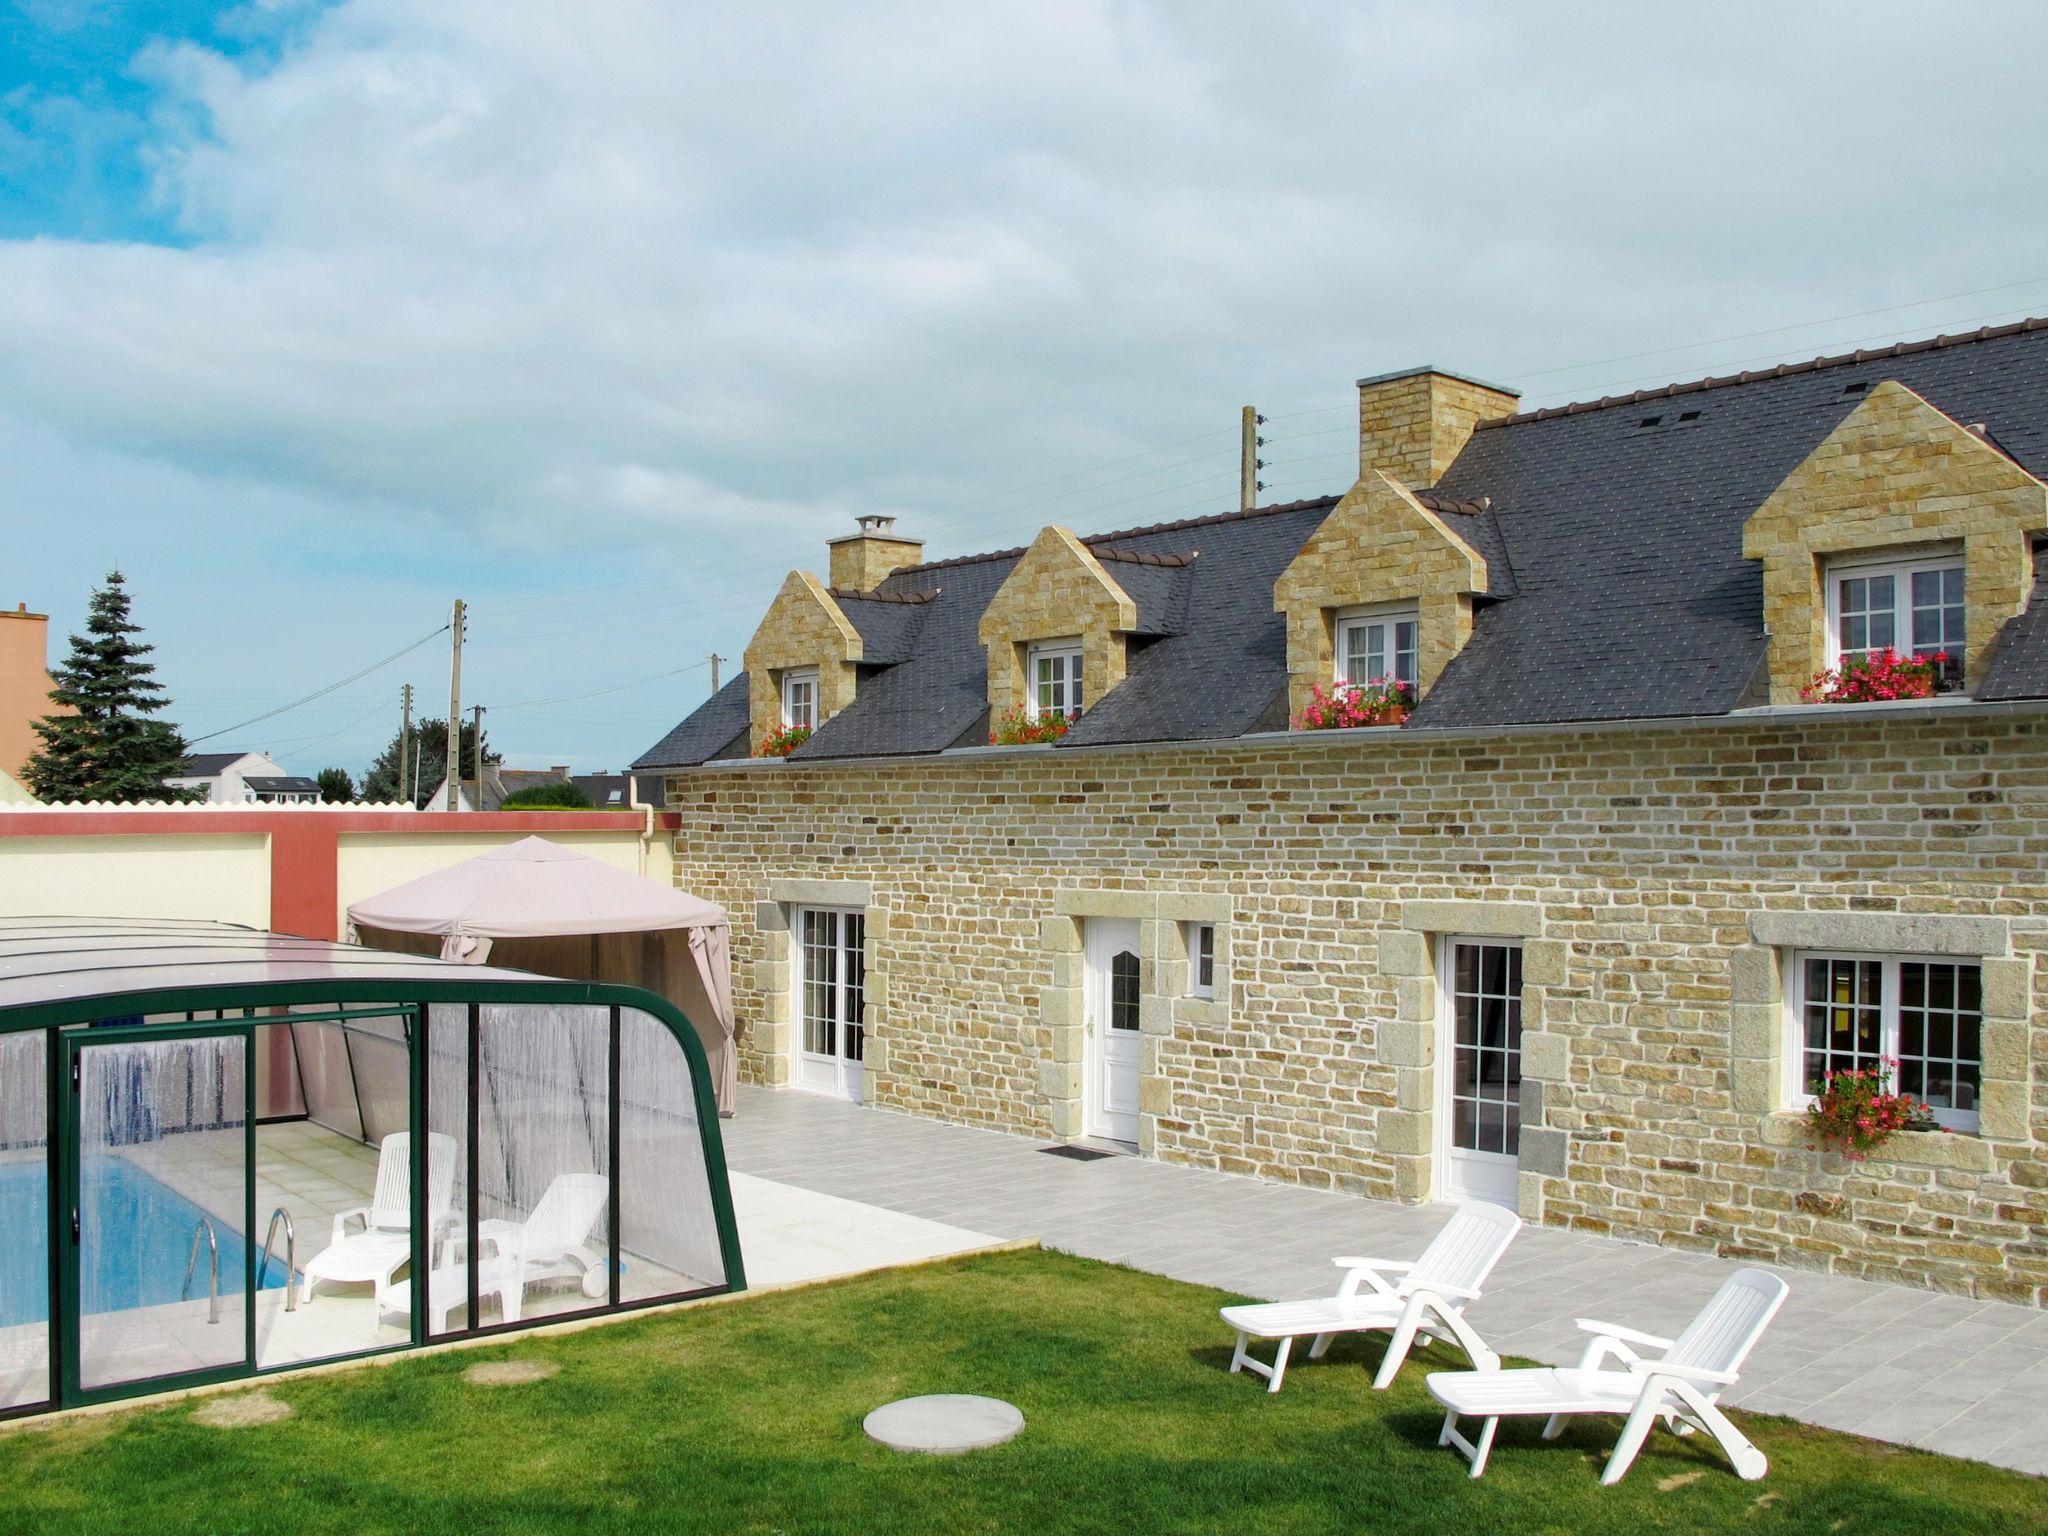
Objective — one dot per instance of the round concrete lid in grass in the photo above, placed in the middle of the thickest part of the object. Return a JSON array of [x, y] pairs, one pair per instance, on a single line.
[[945, 1424], [243, 1410], [509, 1373]]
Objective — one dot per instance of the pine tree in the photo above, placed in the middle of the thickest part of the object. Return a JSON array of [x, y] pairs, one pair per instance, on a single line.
[[106, 747], [336, 787], [430, 751]]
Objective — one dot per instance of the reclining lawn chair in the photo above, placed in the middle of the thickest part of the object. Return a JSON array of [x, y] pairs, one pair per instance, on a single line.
[[1679, 1386], [1428, 1298], [382, 1244]]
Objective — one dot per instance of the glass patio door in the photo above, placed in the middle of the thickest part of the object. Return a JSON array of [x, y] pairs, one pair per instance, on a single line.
[[1482, 1083], [157, 1270], [831, 994]]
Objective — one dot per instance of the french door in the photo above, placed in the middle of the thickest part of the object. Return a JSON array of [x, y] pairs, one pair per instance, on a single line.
[[1480, 1058], [831, 987]]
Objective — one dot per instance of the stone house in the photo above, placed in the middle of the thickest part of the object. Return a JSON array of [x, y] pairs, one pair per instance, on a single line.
[[1582, 934]]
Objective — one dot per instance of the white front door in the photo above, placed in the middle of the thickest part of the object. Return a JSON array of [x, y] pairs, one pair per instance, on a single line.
[[831, 975], [1480, 1070], [1112, 999]]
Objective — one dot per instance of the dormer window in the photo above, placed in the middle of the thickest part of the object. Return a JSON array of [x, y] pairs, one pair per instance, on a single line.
[[1377, 643], [800, 699], [1053, 672], [1914, 607]]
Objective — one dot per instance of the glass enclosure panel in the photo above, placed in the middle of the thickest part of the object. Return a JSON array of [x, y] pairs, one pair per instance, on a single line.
[[448, 1115], [668, 1235], [162, 1185], [24, 1221], [543, 1161], [336, 1205], [278, 1096], [326, 1079]]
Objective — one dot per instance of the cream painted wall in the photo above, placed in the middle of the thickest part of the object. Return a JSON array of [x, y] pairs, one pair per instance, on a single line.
[[370, 862], [226, 878]]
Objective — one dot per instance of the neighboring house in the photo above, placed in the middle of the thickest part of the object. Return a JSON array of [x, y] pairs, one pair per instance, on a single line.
[[228, 778], [24, 686], [606, 791], [282, 789], [1583, 935]]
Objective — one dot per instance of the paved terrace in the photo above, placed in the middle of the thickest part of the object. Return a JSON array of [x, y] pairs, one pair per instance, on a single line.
[[1967, 1378]]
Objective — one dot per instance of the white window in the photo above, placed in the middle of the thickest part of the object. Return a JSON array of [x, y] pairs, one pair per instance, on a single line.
[[1913, 606], [1377, 643], [1201, 959], [1055, 680], [1852, 1012], [800, 699]]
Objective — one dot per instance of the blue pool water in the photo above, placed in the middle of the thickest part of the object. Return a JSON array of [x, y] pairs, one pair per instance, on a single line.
[[144, 1230]]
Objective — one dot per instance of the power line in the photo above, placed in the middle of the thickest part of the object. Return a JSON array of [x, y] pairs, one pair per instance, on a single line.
[[571, 698], [319, 693]]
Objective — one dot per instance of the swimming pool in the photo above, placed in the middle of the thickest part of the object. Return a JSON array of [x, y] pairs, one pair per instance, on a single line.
[[145, 1267]]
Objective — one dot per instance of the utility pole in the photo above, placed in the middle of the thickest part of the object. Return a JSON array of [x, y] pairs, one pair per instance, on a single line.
[[454, 754], [478, 747], [1248, 461], [405, 738], [715, 660]]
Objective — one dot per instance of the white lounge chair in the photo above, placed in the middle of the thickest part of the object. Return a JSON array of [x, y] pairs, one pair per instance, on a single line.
[[383, 1244], [1679, 1386], [552, 1243], [1428, 1298]]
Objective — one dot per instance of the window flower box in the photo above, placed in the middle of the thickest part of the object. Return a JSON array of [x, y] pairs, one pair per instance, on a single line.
[[1856, 1113], [783, 740], [1348, 706], [1021, 728], [1878, 676]]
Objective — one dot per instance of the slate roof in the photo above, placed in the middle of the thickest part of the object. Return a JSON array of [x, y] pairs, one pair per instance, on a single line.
[[287, 784], [207, 765], [1613, 537]]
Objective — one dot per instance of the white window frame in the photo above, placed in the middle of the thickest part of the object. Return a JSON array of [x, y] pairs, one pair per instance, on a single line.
[[1068, 687], [1201, 941], [1902, 571], [1389, 615], [1794, 1087], [791, 681]]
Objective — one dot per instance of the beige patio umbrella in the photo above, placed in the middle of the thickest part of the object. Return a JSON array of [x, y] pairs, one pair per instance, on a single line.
[[537, 906]]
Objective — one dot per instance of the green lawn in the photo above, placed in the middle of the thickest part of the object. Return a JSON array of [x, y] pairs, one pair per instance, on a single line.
[[746, 1418]]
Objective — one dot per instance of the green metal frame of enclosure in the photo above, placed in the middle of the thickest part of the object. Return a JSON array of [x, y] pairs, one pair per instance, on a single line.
[[376, 1000]]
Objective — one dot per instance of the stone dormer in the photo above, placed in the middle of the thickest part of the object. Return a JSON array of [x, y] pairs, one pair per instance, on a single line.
[[805, 635], [1412, 424], [1058, 592], [860, 562], [1381, 548], [1899, 481]]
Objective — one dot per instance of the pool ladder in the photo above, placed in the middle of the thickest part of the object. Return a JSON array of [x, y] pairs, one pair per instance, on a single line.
[[204, 1233], [291, 1253]]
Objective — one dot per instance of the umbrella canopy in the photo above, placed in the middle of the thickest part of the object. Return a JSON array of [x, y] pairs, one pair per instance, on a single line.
[[532, 889], [535, 891]]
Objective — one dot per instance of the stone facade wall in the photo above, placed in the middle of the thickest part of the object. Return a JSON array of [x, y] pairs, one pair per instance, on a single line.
[[803, 627], [1894, 475], [1378, 545], [860, 562], [1414, 424], [1636, 863], [1057, 589]]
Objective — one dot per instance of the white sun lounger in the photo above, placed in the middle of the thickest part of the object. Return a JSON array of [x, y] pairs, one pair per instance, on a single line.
[[383, 1245], [1426, 1298], [552, 1243], [1679, 1386]]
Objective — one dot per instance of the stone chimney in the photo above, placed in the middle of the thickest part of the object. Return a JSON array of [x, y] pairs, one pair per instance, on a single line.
[[1411, 424], [861, 560]]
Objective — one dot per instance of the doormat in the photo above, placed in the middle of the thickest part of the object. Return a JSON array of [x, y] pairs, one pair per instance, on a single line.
[[1078, 1154]]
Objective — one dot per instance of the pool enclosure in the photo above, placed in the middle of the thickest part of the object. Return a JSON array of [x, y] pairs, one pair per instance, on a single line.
[[224, 1152]]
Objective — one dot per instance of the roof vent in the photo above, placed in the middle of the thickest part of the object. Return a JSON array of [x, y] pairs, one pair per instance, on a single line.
[[1648, 422], [1859, 387], [1684, 416]]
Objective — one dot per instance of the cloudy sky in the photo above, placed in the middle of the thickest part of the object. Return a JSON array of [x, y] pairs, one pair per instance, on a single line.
[[601, 316]]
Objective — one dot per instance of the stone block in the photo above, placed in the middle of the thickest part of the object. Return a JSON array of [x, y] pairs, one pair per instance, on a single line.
[[1155, 1095], [821, 893], [1405, 1132], [1412, 1179], [1060, 1008], [1529, 1197], [1544, 1152], [771, 917], [1059, 1079], [2008, 987], [1190, 907], [1060, 935], [1405, 953], [1487, 919], [1755, 1085], [2002, 1111], [1882, 933], [1755, 1030], [1415, 1088], [875, 1056], [1546, 1055], [1138, 904], [1753, 974], [1544, 962], [1415, 999], [2002, 1049], [1532, 1096], [1401, 1044]]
